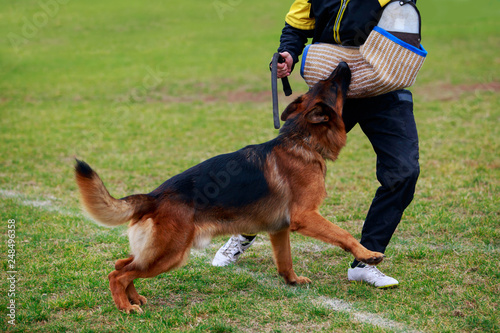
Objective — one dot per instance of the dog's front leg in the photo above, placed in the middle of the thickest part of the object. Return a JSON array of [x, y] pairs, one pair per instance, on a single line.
[[312, 224], [283, 257]]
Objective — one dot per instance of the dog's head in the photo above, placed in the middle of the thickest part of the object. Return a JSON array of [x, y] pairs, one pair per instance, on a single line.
[[317, 115]]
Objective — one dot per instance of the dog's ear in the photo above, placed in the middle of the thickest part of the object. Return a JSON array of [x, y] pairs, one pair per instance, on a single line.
[[320, 113], [291, 108]]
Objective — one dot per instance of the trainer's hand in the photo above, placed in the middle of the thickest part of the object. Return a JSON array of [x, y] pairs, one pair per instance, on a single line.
[[285, 68]]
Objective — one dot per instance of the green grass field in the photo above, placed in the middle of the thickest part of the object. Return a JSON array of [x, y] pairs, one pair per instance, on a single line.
[[142, 91]]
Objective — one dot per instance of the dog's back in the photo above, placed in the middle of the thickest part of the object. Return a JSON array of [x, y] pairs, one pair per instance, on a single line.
[[227, 181]]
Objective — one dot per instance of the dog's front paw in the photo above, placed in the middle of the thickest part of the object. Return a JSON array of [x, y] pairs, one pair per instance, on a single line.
[[374, 258]]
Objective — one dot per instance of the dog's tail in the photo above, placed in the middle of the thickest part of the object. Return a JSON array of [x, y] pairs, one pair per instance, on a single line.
[[101, 206]]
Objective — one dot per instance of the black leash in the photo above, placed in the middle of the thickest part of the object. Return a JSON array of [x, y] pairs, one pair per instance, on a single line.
[[277, 58]]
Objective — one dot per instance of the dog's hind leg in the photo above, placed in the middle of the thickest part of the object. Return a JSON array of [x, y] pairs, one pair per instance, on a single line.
[[121, 281], [312, 224], [283, 257], [120, 263], [132, 294]]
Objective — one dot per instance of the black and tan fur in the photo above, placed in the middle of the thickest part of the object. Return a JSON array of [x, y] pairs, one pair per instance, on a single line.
[[275, 187]]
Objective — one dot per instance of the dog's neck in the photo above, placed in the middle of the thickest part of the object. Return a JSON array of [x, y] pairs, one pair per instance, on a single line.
[[300, 139]]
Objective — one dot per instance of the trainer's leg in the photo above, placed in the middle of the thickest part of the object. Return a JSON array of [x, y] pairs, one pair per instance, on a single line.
[[389, 124]]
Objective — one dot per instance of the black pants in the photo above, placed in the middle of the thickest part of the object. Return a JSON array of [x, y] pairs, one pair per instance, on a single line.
[[388, 122]]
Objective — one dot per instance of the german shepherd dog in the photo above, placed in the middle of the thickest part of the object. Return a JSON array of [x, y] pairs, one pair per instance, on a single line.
[[275, 187]]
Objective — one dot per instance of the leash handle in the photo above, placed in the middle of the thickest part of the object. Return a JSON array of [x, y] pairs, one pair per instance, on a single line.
[[274, 89], [277, 58]]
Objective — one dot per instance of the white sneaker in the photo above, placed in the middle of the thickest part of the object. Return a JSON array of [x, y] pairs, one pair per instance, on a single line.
[[232, 250], [371, 275]]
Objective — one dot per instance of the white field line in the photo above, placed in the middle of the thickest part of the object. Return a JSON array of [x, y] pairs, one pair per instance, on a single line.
[[45, 203], [334, 304], [339, 305]]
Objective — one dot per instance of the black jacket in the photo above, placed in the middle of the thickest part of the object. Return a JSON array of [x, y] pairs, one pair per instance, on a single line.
[[345, 22]]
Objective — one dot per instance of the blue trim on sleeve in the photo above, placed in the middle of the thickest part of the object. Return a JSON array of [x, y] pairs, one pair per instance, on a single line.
[[420, 51], [303, 62]]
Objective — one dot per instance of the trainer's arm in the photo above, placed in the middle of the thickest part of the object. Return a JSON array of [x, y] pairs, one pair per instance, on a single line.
[[293, 41], [299, 26]]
